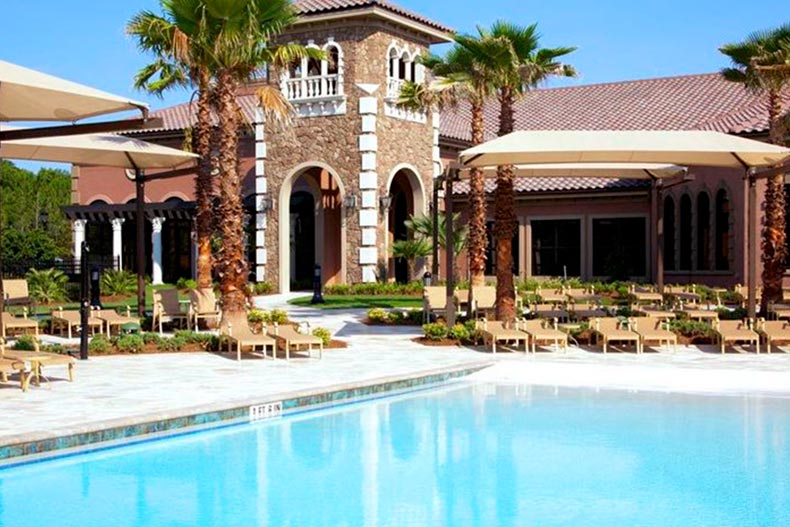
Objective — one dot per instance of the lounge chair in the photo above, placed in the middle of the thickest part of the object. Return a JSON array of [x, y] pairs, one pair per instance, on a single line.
[[611, 330], [556, 296], [646, 295], [203, 305], [683, 293], [584, 311], [435, 301], [484, 299], [66, 322], [292, 339], [112, 319], [544, 332], [653, 330], [38, 361], [16, 293], [168, 309], [22, 324], [733, 331], [774, 331], [550, 311], [653, 312], [494, 332], [694, 312], [236, 330], [779, 311], [10, 366]]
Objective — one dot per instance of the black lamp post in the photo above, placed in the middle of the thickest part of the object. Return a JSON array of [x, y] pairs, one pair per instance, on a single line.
[[43, 220], [85, 300]]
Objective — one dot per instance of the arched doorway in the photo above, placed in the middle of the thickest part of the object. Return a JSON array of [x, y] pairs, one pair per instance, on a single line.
[[312, 229], [407, 199], [177, 246]]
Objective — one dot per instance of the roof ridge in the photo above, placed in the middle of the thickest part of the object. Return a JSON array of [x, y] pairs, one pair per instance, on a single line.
[[631, 81]]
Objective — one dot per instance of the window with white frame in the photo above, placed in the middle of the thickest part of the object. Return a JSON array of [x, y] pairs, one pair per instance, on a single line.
[[311, 79]]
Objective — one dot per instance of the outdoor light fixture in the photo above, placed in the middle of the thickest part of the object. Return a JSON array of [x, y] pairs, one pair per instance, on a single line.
[[43, 220], [350, 202], [267, 204], [385, 202]]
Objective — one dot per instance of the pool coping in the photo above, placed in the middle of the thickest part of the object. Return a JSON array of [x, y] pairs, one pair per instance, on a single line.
[[36, 446]]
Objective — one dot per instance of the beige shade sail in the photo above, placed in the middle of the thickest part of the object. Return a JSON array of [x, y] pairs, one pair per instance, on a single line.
[[598, 170], [97, 150], [686, 148], [28, 95]]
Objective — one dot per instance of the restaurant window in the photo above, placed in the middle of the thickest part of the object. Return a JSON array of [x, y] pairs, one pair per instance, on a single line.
[[685, 233], [556, 247], [722, 231], [491, 251], [619, 248], [703, 232], [669, 233]]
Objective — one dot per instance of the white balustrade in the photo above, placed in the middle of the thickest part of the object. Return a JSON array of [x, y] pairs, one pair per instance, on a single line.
[[311, 87], [394, 87]]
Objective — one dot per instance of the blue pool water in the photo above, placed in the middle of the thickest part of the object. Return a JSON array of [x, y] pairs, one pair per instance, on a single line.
[[476, 455]]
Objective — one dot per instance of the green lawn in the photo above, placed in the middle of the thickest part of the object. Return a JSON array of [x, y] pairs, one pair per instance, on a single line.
[[361, 302]]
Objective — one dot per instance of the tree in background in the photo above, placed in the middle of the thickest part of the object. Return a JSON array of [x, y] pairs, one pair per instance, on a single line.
[[422, 227], [762, 64]]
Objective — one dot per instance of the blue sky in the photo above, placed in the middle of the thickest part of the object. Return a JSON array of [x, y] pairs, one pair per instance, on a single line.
[[84, 41]]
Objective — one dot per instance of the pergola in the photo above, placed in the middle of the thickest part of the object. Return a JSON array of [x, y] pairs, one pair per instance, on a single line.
[[594, 153]]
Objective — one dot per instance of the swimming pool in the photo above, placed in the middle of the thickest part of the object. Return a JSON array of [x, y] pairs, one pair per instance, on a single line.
[[465, 455]]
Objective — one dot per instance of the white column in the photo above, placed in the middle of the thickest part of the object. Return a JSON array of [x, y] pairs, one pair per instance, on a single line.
[[368, 185], [78, 231], [117, 241], [156, 250], [261, 190]]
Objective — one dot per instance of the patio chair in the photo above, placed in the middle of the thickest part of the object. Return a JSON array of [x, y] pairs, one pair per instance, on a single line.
[[646, 295], [652, 312], [16, 293], [495, 332], [112, 319], [611, 330], [169, 309], [685, 293], [580, 295], [544, 332], [695, 313], [235, 330], [734, 331], [584, 311], [38, 360], [556, 296], [778, 311], [484, 299], [66, 322], [743, 291], [653, 330], [551, 311], [11, 366], [435, 300], [291, 339], [203, 305], [22, 324], [773, 331]]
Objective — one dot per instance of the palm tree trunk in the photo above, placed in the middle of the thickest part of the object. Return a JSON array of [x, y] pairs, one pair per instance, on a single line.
[[505, 219], [477, 197], [204, 187], [232, 265], [773, 234]]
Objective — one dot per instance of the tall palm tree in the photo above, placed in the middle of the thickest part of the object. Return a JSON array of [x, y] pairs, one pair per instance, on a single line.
[[519, 65], [762, 64], [243, 34], [462, 74], [180, 59]]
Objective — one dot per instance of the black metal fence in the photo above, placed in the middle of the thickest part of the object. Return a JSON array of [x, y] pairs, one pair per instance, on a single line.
[[69, 266]]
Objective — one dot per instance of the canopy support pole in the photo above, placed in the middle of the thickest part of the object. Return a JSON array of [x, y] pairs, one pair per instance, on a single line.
[[139, 183], [658, 233], [752, 244], [448, 249]]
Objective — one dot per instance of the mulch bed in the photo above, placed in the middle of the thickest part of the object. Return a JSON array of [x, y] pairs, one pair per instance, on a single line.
[[337, 345], [438, 343]]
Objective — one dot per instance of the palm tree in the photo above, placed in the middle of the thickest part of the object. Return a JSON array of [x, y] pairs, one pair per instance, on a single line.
[[519, 65], [462, 74], [411, 249], [180, 59], [762, 64], [242, 34]]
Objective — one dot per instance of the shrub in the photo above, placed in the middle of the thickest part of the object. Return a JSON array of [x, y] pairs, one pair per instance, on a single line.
[[262, 288], [186, 283], [47, 286], [25, 343], [691, 328], [118, 283], [324, 334], [435, 331], [460, 332], [130, 343], [99, 345], [193, 337], [732, 314], [278, 316], [55, 348], [375, 289], [256, 316], [151, 338], [378, 315], [171, 345]]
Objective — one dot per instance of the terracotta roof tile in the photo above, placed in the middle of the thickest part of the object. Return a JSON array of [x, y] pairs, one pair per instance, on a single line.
[[560, 184], [310, 7], [184, 115]]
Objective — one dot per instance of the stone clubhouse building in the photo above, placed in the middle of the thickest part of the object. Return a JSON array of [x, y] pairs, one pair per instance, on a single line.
[[336, 187]]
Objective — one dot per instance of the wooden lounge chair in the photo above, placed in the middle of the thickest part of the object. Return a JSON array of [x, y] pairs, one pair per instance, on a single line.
[[774, 331], [779, 311], [495, 332], [653, 330], [435, 301], [733, 331], [611, 330], [11, 366], [743, 292], [580, 295], [235, 330], [112, 319], [683, 293], [653, 312], [544, 332], [694, 312], [38, 361], [22, 324], [550, 311], [66, 322], [556, 296], [584, 311], [203, 305], [291, 339], [484, 299], [646, 295], [16, 293], [168, 309]]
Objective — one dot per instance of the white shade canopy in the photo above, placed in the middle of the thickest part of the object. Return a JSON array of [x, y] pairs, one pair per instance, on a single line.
[[687, 148], [97, 150], [28, 95], [600, 170]]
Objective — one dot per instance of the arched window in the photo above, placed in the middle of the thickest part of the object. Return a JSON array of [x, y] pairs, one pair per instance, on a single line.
[[333, 56], [685, 233], [405, 66], [722, 231], [669, 234], [313, 68], [394, 64], [703, 232]]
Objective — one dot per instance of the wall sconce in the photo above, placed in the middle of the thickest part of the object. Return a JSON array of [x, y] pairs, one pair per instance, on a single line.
[[267, 204], [385, 202], [350, 202]]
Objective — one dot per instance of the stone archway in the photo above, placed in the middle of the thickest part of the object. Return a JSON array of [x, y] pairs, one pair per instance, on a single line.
[[407, 198], [312, 227]]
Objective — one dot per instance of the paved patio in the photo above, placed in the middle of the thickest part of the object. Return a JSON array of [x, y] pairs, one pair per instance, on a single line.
[[124, 389]]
